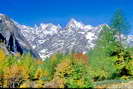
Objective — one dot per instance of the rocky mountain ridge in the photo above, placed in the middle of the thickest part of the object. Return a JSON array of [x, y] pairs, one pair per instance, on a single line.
[[47, 39]]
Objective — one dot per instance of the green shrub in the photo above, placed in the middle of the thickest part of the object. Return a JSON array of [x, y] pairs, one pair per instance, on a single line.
[[51, 63], [79, 78], [123, 63], [101, 67]]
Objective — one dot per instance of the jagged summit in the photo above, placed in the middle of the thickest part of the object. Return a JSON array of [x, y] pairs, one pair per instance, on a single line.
[[74, 24], [74, 21]]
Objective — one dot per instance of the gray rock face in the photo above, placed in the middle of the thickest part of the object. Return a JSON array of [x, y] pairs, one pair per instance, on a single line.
[[14, 41], [3, 47]]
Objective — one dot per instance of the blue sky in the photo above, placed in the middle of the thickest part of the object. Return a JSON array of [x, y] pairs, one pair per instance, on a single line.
[[94, 12]]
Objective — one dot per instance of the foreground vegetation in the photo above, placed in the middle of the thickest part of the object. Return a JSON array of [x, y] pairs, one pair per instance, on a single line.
[[58, 71], [109, 62], [62, 71]]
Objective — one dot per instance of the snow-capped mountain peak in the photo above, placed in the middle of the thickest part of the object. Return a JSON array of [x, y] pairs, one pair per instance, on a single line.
[[74, 24]]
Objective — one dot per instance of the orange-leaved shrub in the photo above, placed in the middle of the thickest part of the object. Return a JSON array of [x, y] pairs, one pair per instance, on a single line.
[[80, 57]]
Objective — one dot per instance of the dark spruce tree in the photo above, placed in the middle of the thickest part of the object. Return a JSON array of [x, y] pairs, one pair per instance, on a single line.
[[120, 25]]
